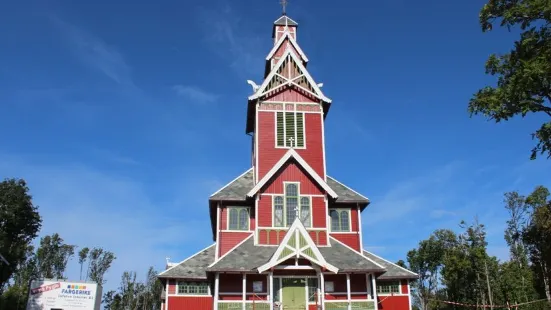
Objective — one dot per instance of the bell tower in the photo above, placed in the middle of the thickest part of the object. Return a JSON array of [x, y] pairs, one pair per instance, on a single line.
[[288, 108]]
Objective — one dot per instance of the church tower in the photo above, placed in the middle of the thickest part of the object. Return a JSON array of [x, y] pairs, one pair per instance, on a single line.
[[286, 234]]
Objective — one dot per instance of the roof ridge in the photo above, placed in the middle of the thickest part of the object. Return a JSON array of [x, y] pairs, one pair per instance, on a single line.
[[348, 187], [185, 260], [391, 263]]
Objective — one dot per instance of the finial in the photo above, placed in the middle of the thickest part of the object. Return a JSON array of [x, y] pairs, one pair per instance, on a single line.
[[291, 140], [284, 5]]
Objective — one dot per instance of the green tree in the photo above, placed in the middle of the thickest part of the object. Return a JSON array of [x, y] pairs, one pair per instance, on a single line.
[[523, 74], [52, 256], [82, 256], [99, 262], [133, 294], [19, 225]]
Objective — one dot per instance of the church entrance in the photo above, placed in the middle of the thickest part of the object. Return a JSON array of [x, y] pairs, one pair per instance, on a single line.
[[293, 294]]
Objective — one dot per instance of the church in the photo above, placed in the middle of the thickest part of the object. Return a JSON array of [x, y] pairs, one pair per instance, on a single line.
[[286, 234]]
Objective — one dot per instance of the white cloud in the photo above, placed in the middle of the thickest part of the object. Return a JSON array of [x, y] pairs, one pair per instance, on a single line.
[[195, 94]]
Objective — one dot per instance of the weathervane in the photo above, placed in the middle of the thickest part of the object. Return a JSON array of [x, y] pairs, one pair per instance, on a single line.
[[284, 5]]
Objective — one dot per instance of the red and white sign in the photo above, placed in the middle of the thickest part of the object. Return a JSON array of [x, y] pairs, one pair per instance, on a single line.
[[64, 295]]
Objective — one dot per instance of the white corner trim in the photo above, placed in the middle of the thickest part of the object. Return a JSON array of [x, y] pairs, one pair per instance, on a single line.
[[160, 274], [291, 153], [355, 192], [374, 262], [390, 263], [232, 181], [289, 52], [299, 228], [231, 250], [276, 47]]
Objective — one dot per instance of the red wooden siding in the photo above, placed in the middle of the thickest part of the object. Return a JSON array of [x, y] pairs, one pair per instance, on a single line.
[[290, 95], [190, 302], [352, 239], [319, 213], [172, 286], [224, 216], [404, 286], [265, 211], [269, 155], [393, 302], [292, 172], [229, 239]]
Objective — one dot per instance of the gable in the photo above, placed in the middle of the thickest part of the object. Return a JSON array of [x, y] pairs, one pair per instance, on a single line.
[[292, 172]]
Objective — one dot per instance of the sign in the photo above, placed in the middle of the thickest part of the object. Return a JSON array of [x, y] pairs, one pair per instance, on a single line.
[[64, 295]]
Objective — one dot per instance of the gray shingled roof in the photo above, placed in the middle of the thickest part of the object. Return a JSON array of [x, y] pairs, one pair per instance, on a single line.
[[237, 190], [246, 257], [393, 271], [345, 193], [284, 20], [347, 260], [192, 268]]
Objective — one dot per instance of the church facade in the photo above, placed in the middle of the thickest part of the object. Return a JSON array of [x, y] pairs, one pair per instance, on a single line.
[[287, 235]]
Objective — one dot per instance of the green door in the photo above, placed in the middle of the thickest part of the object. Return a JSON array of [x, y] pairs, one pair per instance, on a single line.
[[294, 294]]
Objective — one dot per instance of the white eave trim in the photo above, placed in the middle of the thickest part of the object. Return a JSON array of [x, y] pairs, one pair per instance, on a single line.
[[287, 35], [413, 273], [309, 78], [303, 163], [185, 260]]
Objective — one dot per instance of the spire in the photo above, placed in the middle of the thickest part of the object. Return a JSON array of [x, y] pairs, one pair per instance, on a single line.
[[284, 4]]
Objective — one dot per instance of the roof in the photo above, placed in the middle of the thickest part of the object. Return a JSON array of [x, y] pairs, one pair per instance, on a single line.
[[346, 259], [194, 267], [245, 257], [285, 20], [237, 190], [393, 271]]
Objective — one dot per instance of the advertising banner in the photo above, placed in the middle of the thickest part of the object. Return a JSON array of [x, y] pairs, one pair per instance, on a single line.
[[64, 295]]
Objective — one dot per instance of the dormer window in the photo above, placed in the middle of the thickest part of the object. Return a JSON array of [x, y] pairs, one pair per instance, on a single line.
[[290, 129], [238, 218], [288, 206], [340, 220]]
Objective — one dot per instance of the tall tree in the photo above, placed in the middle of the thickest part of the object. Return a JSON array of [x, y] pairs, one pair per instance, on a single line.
[[19, 225], [99, 262], [82, 256], [53, 255], [523, 74]]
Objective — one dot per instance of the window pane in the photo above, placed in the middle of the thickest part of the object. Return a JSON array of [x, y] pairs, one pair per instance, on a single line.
[[335, 223], [312, 289], [345, 226], [233, 218], [279, 129], [300, 129], [276, 289], [291, 210], [278, 211], [305, 211], [291, 190], [290, 128], [243, 219]]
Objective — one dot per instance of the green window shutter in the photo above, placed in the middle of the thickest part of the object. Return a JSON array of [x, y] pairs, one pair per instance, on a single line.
[[279, 129], [300, 130], [290, 128]]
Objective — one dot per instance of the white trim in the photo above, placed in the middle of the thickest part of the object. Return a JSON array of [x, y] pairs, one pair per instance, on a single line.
[[286, 22], [237, 231], [294, 230], [255, 172], [306, 195], [291, 102], [271, 289], [231, 182], [391, 263], [240, 243], [177, 285], [409, 296], [368, 286], [256, 232], [285, 129], [167, 287], [360, 228], [374, 262], [322, 286], [289, 267], [216, 290], [350, 189], [339, 210], [277, 45], [291, 153], [218, 214], [348, 296], [262, 89], [228, 219], [244, 293], [323, 144], [160, 274], [374, 286], [327, 219]]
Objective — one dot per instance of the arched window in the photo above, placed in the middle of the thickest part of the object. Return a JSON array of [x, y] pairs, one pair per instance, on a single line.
[[278, 211], [305, 211], [291, 201], [238, 218], [340, 220]]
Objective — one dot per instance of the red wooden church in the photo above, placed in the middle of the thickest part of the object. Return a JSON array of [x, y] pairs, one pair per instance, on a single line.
[[287, 235]]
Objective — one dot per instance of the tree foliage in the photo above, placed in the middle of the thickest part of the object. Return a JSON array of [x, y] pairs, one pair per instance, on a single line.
[[52, 256], [99, 262], [523, 74], [133, 294], [19, 225]]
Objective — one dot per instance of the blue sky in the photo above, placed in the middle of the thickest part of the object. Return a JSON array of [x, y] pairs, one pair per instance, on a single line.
[[125, 116]]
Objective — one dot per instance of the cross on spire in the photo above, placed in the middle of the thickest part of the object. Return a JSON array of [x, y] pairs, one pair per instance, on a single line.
[[291, 140], [284, 4]]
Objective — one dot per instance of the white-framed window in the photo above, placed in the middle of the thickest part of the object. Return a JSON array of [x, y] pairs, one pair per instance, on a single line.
[[285, 207], [388, 287], [290, 125], [193, 288], [238, 218], [340, 220], [258, 287]]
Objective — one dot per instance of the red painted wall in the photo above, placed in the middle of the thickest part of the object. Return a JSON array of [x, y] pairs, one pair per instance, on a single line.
[[292, 172], [404, 286], [224, 217], [352, 240], [393, 302], [231, 283], [228, 240], [181, 302], [269, 155]]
